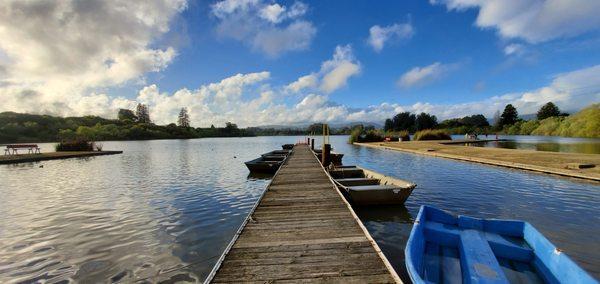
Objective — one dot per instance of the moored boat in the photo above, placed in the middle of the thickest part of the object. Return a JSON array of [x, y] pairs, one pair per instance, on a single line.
[[366, 187], [336, 158], [279, 152], [287, 146], [262, 165], [443, 248], [268, 162]]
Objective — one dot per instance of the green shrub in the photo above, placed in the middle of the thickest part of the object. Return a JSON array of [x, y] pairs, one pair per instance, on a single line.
[[548, 126], [360, 135], [585, 123], [529, 126], [513, 129], [429, 134], [396, 135], [354, 135], [75, 145]]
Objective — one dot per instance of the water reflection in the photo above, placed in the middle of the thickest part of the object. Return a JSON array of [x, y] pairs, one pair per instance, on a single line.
[[543, 143], [567, 211], [162, 211], [165, 210], [260, 176]]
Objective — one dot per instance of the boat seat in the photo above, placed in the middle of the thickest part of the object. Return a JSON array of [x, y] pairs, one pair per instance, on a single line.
[[501, 246], [372, 187], [358, 181], [478, 260], [347, 173]]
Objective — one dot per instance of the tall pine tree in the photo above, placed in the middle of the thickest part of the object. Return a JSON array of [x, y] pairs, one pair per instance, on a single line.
[[548, 110], [142, 113], [509, 116], [184, 118]]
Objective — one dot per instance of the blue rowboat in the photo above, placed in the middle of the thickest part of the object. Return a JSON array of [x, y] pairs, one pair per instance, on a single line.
[[443, 248]]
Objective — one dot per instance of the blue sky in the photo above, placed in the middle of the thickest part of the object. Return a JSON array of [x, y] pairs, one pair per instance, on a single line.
[[237, 60]]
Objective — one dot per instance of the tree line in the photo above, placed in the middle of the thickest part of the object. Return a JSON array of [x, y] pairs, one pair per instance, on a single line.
[[550, 120], [129, 125]]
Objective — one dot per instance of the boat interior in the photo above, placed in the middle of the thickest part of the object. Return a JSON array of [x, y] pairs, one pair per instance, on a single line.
[[449, 249]]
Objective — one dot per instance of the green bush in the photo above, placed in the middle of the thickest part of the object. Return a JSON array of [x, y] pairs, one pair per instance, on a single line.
[[429, 134], [585, 123], [361, 135], [529, 126], [75, 145], [354, 135], [548, 126], [396, 135]]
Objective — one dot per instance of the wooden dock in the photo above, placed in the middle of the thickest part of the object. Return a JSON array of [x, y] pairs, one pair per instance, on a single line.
[[303, 230], [28, 158]]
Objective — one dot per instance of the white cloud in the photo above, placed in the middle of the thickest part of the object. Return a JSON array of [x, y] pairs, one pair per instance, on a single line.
[[378, 36], [304, 82], [247, 100], [272, 13], [533, 20], [269, 28], [333, 75], [419, 76], [55, 53], [339, 69], [514, 49]]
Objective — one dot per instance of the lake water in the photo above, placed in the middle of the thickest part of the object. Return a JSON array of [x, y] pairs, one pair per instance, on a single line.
[[540, 143], [165, 210]]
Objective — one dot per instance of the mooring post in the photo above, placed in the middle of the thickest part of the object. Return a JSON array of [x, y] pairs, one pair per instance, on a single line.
[[312, 144], [307, 140], [325, 155]]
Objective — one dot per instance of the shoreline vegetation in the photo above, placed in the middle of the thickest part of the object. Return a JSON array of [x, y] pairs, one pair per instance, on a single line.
[[22, 127], [549, 121], [130, 125]]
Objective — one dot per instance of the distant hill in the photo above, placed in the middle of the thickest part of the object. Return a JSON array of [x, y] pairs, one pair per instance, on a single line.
[[337, 125]]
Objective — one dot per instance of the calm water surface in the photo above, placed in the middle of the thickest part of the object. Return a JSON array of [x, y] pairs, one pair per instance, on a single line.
[[165, 210], [567, 211], [541, 143]]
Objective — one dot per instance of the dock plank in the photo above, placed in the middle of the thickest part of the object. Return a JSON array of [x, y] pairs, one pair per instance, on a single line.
[[303, 231]]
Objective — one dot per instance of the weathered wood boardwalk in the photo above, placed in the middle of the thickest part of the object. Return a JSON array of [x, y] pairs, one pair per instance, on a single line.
[[303, 231]]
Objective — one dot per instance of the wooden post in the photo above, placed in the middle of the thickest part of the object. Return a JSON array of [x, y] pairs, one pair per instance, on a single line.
[[307, 140], [312, 144], [325, 155]]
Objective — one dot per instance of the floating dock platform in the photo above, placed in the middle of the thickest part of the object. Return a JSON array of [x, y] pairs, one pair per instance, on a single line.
[[27, 158], [302, 230]]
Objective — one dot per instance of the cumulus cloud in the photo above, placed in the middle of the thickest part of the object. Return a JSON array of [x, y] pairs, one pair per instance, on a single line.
[[247, 99], [56, 53], [419, 76], [378, 36], [270, 28], [304, 82], [339, 69], [532, 20], [333, 75]]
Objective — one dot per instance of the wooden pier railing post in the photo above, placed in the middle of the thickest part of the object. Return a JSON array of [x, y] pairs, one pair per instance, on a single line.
[[325, 155], [312, 144]]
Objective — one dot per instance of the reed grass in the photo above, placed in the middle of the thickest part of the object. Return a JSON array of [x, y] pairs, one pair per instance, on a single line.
[[431, 134]]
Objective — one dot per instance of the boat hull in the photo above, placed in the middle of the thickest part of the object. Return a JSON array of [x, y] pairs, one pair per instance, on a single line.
[[459, 249], [366, 187], [376, 197]]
